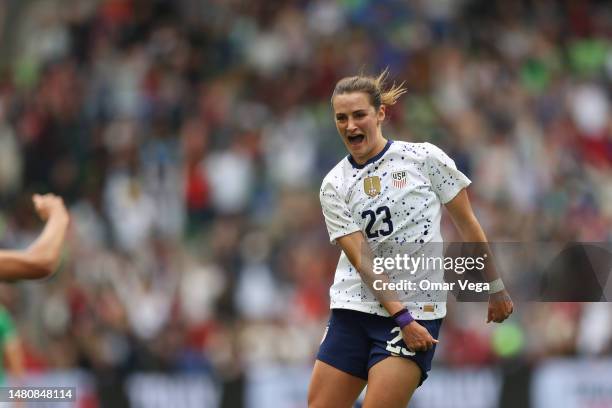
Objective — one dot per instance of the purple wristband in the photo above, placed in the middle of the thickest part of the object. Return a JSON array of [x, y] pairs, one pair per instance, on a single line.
[[403, 318]]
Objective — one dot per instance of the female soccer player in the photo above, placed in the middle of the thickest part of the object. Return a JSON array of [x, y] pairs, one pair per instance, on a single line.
[[384, 194], [40, 259]]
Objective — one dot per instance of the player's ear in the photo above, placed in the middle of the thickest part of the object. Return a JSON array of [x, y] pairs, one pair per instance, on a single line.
[[381, 114]]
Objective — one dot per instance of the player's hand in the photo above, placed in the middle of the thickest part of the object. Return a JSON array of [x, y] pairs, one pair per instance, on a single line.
[[417, 338], [500, 307], [49, 205]]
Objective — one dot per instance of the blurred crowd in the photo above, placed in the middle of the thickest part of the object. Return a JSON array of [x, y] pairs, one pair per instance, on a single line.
[[190, 137]]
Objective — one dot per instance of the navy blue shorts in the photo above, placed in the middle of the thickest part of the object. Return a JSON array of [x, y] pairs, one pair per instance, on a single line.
[[355, 341]]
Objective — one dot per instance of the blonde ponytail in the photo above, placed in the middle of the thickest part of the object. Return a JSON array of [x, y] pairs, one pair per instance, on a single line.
[[374, 87], [390, 96]]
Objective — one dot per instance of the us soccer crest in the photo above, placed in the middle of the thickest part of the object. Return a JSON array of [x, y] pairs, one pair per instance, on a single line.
[[400, 178], [371, 186]]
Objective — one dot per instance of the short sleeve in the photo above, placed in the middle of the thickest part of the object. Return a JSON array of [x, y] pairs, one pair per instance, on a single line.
[[338, 218], [446, 180]]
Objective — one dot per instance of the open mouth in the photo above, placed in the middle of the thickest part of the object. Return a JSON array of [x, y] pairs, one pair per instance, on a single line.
[[355, 140]]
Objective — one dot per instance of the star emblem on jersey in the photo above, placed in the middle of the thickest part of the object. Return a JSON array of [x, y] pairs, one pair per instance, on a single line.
[[400, 178], [371, 186]]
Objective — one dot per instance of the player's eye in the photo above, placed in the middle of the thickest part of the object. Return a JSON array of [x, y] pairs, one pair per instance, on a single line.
[[359, 114], [340, 118]]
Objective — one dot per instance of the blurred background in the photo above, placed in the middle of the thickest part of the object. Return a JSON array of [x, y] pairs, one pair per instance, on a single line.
[[189, 139]]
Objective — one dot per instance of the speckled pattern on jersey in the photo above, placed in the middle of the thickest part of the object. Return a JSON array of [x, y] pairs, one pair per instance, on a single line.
[[396, 200]]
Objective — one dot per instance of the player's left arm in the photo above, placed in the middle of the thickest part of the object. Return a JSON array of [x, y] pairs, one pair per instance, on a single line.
[[500, 303]]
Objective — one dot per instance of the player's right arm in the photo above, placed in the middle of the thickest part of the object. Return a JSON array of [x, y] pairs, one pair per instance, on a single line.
[[358, 252], [41, 258]]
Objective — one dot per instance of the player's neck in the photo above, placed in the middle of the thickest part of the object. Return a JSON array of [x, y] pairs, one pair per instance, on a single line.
[[380, 145]]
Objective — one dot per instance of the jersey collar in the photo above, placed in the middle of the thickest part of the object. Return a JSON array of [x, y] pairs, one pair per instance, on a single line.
[[372, 160]]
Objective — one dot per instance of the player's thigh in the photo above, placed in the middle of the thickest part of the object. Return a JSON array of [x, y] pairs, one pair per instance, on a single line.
[[331, 387], [391, 383]]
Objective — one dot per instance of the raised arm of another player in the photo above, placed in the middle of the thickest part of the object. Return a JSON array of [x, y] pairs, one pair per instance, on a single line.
[[358, 252], [41, 258], [500, 303]]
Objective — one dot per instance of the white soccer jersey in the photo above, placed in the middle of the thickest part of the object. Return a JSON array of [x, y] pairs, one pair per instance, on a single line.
[[395, 199]]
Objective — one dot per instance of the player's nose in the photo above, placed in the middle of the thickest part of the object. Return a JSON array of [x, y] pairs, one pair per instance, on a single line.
[[351, 127]]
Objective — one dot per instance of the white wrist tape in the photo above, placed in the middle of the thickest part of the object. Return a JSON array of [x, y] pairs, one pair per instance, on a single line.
[[496, 286]]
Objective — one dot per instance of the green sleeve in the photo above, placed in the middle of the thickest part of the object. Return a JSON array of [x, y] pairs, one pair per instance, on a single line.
[[7, 328]]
